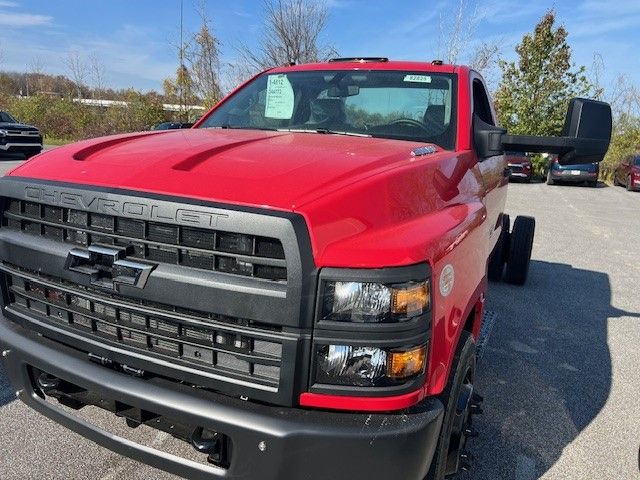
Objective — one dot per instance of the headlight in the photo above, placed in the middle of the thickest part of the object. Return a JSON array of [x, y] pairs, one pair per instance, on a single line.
[[368, 366], [374, 302]]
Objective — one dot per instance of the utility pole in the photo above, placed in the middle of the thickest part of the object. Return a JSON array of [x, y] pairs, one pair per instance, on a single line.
[[181, 76]]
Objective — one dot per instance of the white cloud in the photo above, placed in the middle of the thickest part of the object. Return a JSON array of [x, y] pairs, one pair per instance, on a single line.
[[4, 4], [23, 19]]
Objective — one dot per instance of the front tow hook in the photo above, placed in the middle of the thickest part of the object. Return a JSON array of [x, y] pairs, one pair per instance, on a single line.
[[48, 383]]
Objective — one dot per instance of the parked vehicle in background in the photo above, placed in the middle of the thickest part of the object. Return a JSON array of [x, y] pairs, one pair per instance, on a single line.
[[586, 173], [628, 173], [520, 166], [16, 137], [172, 125]]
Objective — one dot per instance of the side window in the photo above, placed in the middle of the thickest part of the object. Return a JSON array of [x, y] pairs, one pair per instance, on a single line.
[[481, 104]]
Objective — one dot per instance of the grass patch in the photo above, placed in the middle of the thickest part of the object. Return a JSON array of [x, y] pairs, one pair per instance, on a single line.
[[56, 141]]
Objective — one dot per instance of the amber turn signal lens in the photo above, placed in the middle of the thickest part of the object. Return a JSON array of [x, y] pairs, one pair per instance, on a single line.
[[412, 300], [406, 364]]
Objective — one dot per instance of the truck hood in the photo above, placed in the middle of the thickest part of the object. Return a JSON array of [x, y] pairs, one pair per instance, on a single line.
[[17, 126], [279, 170]]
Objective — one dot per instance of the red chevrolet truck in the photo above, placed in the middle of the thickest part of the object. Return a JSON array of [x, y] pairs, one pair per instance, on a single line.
[[295, 286]]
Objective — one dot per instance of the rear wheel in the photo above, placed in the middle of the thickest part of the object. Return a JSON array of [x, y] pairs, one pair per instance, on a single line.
[[616, 183], [500, 251], [460, 402], [520, 248]]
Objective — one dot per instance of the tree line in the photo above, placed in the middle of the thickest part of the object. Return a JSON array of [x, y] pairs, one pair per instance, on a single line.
[[531, 93]]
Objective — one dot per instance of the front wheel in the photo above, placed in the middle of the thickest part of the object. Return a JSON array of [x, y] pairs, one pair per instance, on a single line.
[[629, 184], [460, 402]]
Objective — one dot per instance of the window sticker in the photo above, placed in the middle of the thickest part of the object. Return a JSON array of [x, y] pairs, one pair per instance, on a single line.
[[279, 103], [417, 78]]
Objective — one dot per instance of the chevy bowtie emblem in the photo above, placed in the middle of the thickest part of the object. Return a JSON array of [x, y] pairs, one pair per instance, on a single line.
[[108, 267]]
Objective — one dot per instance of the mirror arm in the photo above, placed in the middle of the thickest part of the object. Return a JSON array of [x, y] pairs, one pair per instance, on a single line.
[[566, 147]]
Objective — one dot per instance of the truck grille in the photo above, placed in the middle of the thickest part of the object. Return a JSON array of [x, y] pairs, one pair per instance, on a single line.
[[205, 249], [226, 346]]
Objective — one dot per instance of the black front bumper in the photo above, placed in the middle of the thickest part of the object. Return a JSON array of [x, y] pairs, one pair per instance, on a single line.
[[296, 443]]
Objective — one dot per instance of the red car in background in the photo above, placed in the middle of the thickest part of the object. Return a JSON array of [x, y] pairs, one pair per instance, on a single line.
[[628, 173], [519, 165]]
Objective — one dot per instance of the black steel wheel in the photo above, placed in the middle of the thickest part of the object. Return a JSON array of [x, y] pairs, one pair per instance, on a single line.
[[520, 248], [460, 403]]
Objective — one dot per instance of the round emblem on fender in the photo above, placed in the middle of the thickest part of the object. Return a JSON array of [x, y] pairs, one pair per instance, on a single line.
[[446, 280]]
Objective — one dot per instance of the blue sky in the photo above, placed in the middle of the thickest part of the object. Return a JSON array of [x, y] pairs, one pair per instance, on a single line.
[[133, 38]]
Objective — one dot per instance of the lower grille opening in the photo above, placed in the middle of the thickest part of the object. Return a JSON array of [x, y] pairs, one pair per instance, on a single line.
[[191, 442], [238, 351]]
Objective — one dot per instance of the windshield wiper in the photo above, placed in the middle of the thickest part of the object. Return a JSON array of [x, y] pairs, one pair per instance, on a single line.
[[323, 131], [226, 126]]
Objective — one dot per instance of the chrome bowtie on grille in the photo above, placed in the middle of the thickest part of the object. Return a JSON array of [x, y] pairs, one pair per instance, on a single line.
[[108, 267]]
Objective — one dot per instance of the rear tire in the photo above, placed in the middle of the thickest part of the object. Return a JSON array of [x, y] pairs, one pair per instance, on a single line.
[[520, 249], [616, 183], [500, 251], [457, 399]]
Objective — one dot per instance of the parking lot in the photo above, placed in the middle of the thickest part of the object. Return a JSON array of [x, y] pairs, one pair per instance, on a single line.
[[559, 375]]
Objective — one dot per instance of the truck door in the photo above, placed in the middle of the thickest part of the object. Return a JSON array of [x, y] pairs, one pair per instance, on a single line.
[[495, 174]]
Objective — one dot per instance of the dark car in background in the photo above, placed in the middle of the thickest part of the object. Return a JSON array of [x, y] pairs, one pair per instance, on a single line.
[[628, 173], [586, 174], [16, 137], [172, 125], [520, 166]]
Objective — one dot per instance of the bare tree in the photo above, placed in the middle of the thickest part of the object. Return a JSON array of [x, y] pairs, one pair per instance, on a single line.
[[456, 41], [456, 31], [597, 67], [203, 56], [97, 74], [34, 75], [78, 70], [291, 34]]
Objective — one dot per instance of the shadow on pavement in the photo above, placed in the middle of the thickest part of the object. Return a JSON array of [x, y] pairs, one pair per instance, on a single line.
[[6, 395], [546, 372]]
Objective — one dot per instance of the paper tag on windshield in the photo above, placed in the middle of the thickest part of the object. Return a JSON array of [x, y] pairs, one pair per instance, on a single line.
[[417, 78], [279, 104]]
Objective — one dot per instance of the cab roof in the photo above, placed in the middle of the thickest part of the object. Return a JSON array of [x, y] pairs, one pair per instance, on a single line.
[[375, 64]]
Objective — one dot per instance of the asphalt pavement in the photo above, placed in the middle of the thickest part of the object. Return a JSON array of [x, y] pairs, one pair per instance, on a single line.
[[559, 374]]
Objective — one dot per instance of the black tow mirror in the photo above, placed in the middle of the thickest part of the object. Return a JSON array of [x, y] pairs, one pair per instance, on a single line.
[[585, 136], [487, 138]]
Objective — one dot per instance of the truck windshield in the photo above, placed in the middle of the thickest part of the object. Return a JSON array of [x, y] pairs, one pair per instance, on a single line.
[[414, 106], [5, 117]]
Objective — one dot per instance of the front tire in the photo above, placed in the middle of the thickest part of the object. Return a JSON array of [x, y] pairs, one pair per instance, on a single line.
[[520, 250], [629, 184], [458, 400]]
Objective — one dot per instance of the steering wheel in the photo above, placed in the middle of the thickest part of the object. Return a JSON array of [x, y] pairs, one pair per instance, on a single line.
[[411, 122]]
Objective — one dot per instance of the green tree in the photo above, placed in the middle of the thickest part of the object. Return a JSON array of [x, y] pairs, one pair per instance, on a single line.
[[534, 93]]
